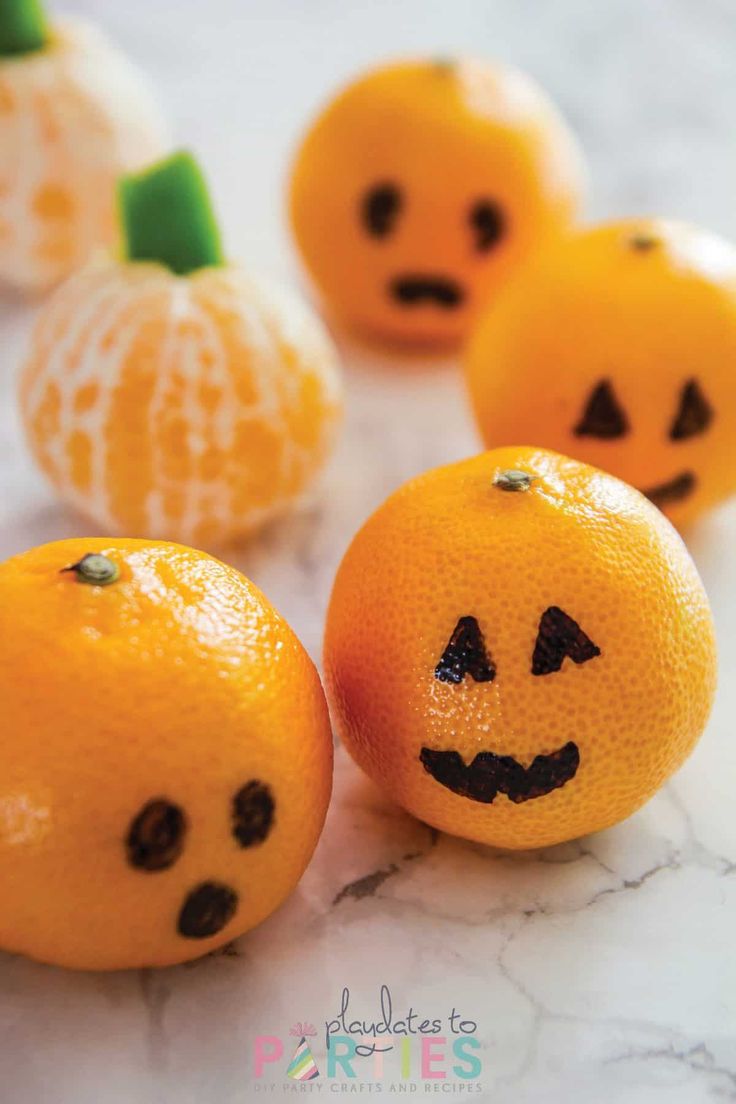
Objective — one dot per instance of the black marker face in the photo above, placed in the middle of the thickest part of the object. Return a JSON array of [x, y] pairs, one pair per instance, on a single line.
[[465, 654], [673, 490], [488, 224], [694, 413], [206, 910], [415, 290], [253, 814], [559, 637], [380, 208], [489, 774], [156, 839], [603, 416], [156, 836]]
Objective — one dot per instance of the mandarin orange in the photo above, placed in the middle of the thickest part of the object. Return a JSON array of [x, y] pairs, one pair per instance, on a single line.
[[519, 648], [74, 114], [166, 754], [191, 403], [422, 185], [616, 346]]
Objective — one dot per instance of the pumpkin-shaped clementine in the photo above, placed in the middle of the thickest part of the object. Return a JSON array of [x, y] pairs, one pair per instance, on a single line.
[[617, 345], [422, 185], [519, 648], [74, 115], [170, 394]]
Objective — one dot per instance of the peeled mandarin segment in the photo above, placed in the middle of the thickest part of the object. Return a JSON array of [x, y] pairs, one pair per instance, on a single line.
[[167, 216], [23, 27]]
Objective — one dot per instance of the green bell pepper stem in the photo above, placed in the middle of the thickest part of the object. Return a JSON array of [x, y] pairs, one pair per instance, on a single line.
[[167, 216], [23, 27]]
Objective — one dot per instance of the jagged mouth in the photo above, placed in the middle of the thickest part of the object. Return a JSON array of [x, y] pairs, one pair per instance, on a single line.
[[490, 774], [674, 490], [412, 291]]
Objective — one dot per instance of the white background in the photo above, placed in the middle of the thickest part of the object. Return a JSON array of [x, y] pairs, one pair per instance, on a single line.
[[598, 972]]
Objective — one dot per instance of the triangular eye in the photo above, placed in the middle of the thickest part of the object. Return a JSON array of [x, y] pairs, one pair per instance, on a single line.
[[465, 654], [559, 636], [603, 415], [694, 414]]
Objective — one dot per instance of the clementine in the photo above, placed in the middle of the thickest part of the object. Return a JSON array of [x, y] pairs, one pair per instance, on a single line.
[[519, 648], [616, 346], [171, 395], [420, 188], [166, 754], [74, 114]]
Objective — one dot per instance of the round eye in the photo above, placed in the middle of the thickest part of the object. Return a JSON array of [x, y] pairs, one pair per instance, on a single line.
[[156, 836], [253, 813], [488, 222], [380, 208]]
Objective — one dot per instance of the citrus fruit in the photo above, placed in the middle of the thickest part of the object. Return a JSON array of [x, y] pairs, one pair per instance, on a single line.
[[519, 648], [74, 114], [166, 754], [616, 346], [178, 397], [421, 186]]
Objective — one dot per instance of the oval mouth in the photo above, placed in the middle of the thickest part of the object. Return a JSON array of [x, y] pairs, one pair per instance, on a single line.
[[412, 290], [490, 774], [674, 490], [206, 910]]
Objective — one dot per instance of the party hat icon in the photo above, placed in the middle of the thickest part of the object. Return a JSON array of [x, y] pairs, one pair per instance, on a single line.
[[302, 1066]]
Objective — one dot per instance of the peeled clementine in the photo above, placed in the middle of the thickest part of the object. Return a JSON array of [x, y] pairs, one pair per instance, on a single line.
[[74, 114], [422, 185], [616, 345], [166, 754], [173, 395], [519, 648]]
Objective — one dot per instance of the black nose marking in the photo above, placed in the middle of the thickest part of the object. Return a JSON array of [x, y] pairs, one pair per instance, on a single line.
[[253, 813], [206, 910], [156, 835], [412, 290]]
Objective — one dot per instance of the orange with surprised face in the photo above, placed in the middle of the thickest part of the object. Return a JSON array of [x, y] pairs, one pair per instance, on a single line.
[[422, 185], [617, 345]]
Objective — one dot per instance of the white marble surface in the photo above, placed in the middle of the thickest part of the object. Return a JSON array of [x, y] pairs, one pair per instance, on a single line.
[[598, 972]]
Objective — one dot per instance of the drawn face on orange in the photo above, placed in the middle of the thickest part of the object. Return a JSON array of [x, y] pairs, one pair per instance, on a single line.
[[617, 346], [420, 188], [518, 666], [559, 637]]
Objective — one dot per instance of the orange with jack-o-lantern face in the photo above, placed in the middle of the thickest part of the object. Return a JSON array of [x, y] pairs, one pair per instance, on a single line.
[[617, 345], [421, 187], [519, 649]]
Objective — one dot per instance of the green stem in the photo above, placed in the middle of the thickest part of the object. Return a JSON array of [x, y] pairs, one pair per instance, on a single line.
[[23, 27], [167, 216], [95, 569]]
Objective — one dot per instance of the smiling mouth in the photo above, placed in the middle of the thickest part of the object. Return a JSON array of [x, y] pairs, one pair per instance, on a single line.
[[411, 291], [490, 774], [673, 491]]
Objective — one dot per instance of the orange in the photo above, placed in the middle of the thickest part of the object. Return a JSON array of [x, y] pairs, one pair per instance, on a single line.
[[422, 185], [616, 346], [166, 754], [193, 408], [73, 116], [519, 648]]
